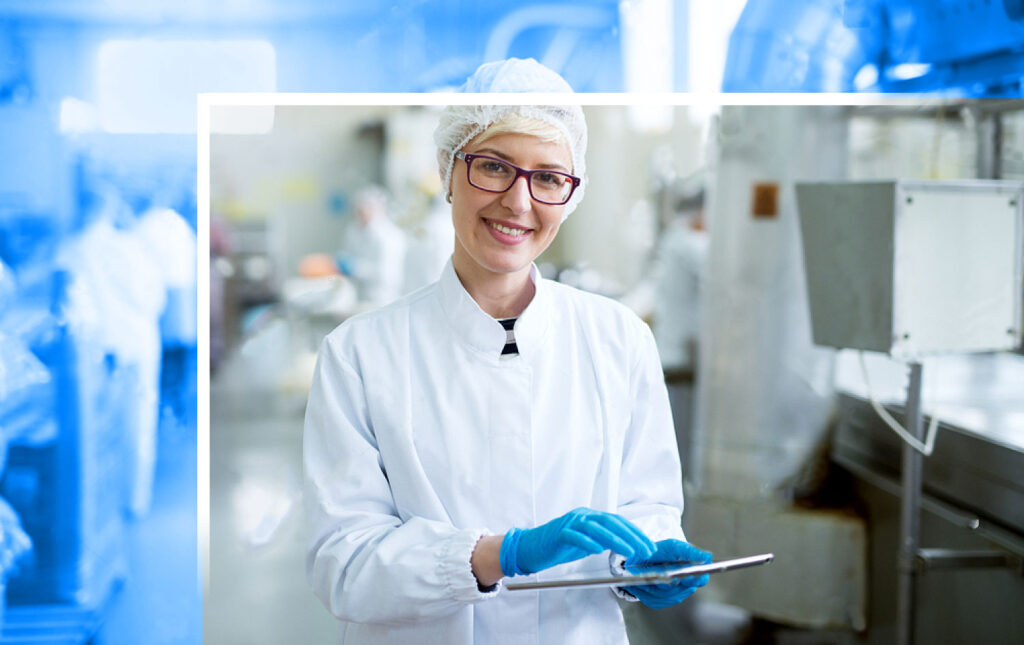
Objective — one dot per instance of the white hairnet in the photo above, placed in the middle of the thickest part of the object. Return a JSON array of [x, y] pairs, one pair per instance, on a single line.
[[460, 123]]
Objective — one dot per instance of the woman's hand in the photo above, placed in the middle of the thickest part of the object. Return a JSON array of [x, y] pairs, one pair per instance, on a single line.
[[575, 535], [666, 595]]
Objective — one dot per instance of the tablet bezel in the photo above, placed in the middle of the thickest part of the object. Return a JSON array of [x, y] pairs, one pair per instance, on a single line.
[[661, 577]]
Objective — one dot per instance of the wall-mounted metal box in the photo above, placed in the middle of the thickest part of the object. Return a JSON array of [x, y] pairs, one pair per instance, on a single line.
[[912, 268]]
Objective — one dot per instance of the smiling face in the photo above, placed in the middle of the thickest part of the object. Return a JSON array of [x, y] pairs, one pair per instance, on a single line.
[[503, 233]]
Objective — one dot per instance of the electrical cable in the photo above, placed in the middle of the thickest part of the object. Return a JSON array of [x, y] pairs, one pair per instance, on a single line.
[[933, 426]]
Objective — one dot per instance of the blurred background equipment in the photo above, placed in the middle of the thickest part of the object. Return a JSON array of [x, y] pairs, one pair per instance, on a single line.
[[784, 453], [87, 379], [763, 391], [956, 47]]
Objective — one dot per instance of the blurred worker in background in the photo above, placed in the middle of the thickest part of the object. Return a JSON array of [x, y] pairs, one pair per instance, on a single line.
[[116, 298], [493, 424], [374, 249], [172, 242], [679, 275], [430, 245]]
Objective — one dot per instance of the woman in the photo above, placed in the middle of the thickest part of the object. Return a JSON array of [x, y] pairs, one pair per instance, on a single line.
[[492, 424]]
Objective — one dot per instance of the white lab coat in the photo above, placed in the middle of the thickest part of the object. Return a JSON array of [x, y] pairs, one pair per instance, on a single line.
[[420, 438]]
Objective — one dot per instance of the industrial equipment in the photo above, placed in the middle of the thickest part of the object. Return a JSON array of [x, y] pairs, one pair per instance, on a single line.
[[915, 268], [958, 47]]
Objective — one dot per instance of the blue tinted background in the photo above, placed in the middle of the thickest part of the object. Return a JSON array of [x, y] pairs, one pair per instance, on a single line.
[[70, 396], [955, 47]]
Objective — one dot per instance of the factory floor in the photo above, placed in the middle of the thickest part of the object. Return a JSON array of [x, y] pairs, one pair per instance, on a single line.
[[159, 602], [258, 593]]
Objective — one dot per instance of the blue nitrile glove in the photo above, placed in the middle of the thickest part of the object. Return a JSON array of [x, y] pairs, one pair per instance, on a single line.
[[661, 596], [577, 534], [346, 264]]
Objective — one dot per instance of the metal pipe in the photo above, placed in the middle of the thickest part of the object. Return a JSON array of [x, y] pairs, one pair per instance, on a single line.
[[997, 145], [910, 508]]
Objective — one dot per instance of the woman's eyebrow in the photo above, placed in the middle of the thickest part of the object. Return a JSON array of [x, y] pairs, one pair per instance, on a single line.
[[502, 155]]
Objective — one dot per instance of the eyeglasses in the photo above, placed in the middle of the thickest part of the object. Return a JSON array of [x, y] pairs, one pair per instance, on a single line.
[[496, 176]]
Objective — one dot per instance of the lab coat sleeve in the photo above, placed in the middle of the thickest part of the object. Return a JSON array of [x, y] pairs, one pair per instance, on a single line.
[[650, 489], [364, 563]]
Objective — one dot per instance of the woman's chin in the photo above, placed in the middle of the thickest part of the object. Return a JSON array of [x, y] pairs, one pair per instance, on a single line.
[[507, 265]]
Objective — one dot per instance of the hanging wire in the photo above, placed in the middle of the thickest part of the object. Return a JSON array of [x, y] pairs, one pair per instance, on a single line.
[[929, 442]]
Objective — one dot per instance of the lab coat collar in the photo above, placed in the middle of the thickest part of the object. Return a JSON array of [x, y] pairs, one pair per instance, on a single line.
[[483, 333]]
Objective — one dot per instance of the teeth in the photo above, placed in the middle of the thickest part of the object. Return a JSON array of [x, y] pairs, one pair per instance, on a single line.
[[514, 232]]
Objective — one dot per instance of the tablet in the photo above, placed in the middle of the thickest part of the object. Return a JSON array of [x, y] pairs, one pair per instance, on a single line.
[[666, 574]]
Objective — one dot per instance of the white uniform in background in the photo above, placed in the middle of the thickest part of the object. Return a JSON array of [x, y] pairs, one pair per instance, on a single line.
[[679, 282], [116, 297], [378, 248], [420, 438], [430, 246], [172, 242]]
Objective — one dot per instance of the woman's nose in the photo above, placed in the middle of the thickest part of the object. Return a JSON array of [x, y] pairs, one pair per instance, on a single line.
[[517, 198]]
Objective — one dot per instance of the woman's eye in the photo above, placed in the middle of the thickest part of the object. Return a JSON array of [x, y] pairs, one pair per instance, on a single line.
[[550, 179], [493, 167]]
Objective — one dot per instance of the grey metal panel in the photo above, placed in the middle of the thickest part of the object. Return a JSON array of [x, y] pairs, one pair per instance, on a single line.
[[941, 275], [847, 235], [957, 266]]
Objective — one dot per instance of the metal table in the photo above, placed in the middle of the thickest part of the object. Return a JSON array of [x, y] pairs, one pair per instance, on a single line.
[[974, 478]]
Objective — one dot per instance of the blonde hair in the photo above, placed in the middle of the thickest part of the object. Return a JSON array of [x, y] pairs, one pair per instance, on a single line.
[[522, 124]]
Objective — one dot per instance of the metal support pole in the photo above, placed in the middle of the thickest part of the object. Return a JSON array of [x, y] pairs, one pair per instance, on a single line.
[[910, 511]]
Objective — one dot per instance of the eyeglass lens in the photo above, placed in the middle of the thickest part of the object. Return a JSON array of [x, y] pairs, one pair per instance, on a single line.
[[497, 176]]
